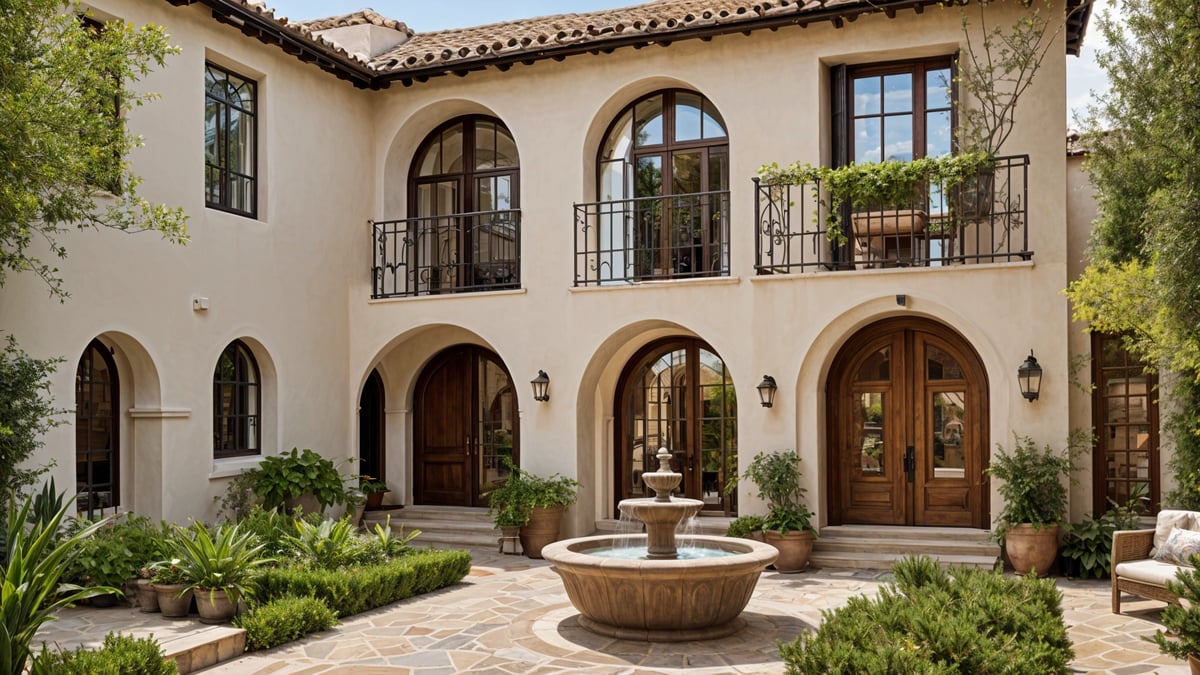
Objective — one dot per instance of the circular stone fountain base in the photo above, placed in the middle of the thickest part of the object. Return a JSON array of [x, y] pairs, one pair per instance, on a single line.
[[660, 600]]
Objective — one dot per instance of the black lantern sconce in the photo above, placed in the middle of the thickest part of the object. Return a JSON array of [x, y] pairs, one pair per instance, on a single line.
[[766, 391], [541, 386], [1029, 375]]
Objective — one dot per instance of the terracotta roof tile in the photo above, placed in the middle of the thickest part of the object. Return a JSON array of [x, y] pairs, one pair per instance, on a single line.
[[361, 17]]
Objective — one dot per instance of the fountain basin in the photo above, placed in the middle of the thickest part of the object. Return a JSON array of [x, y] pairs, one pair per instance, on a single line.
[[660, 600]]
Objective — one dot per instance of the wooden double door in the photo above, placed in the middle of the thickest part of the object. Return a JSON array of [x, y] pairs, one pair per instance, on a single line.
[[465, 424], [907, 406]]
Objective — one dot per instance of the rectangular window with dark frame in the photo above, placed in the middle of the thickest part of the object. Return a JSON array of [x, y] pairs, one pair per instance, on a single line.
[[230, 141], [1125, 418], [105, 98]]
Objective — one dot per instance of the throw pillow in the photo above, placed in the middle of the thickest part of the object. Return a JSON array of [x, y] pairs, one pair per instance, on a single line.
[[1169, 519], [1179, 548]]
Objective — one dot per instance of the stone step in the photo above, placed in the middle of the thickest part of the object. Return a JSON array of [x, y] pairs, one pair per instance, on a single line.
[[907, 546], [440, 526], [884, 561], [877, 547], [204, 646], [446, 513], [901, 532]]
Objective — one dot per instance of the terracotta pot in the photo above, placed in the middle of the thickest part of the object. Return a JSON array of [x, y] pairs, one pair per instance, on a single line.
[[214, 606], [541, 529], [794, 548], [147, 597], [307, 502], [375, 499], [173, 601], [1030, 549], [1194, 663]]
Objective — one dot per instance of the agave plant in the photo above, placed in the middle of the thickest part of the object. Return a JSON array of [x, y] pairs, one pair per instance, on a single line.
[[31, 592], [223, 559], [329, 544]]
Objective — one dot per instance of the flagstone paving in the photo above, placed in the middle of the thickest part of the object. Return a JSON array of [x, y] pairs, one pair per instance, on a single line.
[[511, 615]]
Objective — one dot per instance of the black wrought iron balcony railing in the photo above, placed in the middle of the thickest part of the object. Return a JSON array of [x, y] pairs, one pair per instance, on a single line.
[[446, 254], [649, 238], [981, 221]]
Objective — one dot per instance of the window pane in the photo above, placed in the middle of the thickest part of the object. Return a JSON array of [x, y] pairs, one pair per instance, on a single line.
[[898, 137], [947, 421], [937, 88], [867, 138], [430, 163], [648, 124], [649, 176], [866, 96], [485, 145], [718, 169], [685, 176], [506, 149], [897, 93], [452, 149], [714, 125], [869, 423], [687, 117], [937, 133], [877, 367], [619, 139]]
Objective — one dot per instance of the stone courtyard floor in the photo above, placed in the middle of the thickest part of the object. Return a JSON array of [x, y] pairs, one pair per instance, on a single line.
[[511, 615]]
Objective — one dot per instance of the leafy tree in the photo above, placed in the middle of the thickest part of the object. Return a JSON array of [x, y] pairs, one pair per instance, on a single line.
[[26, 413], [1144, 276], [63, 145]]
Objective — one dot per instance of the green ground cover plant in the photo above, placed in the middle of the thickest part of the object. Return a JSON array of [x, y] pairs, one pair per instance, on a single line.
[[284, 619], [934, 621], [119, 655]]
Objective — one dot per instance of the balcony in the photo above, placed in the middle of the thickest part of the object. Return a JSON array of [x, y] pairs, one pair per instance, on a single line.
[[983, 221], [458, 253], [652, 238]]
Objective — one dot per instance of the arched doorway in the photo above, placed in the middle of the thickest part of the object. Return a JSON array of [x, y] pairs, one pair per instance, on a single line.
[[907, 422], [97, 456], [465, 422], [370, 428], [676, 393]]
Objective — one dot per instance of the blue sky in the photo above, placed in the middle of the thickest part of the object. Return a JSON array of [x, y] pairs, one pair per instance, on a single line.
[[1083, 75]]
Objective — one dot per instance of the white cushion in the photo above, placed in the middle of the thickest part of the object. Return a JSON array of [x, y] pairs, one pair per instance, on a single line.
[[1147, 571], [1168, 520]]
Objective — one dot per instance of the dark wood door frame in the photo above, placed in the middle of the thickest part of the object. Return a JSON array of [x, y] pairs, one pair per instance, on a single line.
[[907, 489]]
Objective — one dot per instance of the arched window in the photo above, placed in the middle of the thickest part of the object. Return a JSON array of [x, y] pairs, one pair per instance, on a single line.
[[237, 402], [97, 460], [663, 174], [463, 207]]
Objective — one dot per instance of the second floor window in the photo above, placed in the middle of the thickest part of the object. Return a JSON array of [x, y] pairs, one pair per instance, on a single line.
[[230, 141], [900, 111]]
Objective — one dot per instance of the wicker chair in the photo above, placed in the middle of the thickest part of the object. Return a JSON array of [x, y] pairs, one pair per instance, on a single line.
[[1134, 545]]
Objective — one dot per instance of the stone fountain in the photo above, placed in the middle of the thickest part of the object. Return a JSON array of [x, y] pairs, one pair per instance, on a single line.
[[644, 587]]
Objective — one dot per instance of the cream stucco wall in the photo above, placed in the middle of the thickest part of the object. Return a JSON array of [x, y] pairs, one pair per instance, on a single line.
[[295, 283]]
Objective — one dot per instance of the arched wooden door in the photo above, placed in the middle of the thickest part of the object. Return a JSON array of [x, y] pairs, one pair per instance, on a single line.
[[465, 421], [97, 456], [907, 406], [370, 428], [676, 393]]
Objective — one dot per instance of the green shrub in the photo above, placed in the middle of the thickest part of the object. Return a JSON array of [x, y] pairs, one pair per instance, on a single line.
[[284, 619], [353, 590], [328, 544], [120, 655], [932, 621]]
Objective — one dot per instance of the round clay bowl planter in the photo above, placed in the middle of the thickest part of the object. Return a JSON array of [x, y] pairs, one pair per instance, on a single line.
[[214, 606], [173, 601], [794, 549], [147, 597], [1030, 549]]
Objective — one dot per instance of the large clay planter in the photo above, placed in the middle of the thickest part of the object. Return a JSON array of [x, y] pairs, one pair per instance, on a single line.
[[173, 601], [794, 548], [1030, 549], [1194, 664], [147, 597], [307, 502], [214, 606], [375, 499], [541, 529]]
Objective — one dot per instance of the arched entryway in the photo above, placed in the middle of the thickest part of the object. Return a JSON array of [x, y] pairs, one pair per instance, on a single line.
[[97, 456], [370, 428], [465, 422], [907, 422], [676, 393]]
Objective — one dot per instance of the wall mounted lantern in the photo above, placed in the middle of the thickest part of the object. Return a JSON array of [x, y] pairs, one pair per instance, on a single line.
[[1029, 375], [541, 386], [766, 391]]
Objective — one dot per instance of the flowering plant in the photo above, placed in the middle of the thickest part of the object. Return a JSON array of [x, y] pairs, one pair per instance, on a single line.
[[167, 572]]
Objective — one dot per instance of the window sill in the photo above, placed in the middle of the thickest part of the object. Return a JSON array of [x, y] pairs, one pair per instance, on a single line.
[[225, 468]]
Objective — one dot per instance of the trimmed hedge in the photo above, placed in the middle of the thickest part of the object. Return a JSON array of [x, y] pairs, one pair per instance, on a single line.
[[283, 620], [932, 621], [120, 655], [353, 590]]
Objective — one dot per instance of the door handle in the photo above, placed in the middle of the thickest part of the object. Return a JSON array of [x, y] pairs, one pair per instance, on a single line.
[[910, 463]]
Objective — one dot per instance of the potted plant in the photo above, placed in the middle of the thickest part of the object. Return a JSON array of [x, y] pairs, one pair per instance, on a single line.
[[170, 584], [298, 478], [788, 525], [1183, 620], [374, 490], [219, 565], [147, 597], [746, 527], [1034, 490], [533, 503]]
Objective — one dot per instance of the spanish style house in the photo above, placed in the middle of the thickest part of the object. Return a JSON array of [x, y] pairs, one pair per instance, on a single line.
[[393, 233]]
